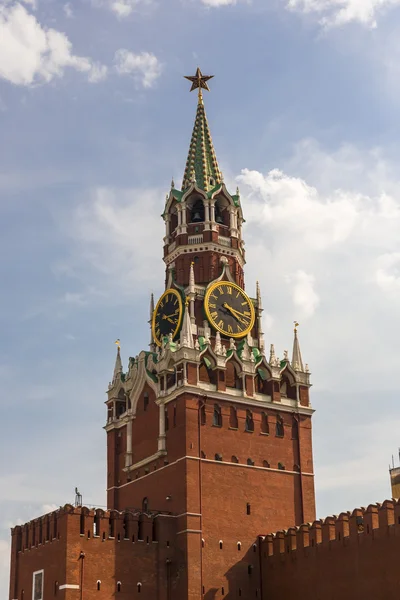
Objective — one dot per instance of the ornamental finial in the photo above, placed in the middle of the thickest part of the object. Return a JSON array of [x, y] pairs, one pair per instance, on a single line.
[[296, 325], [199, 81]]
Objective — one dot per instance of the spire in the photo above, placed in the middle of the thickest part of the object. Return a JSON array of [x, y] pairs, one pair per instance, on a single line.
[[151, 307], [261, 342], [118, 363], [201, 164], [152, 345], [297, 361], [186, 337]]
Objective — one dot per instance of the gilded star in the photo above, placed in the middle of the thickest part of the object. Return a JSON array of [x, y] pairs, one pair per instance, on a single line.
[[199, 80]]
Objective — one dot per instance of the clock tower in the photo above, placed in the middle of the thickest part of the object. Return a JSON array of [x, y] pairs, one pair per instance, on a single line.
[[205, 429]]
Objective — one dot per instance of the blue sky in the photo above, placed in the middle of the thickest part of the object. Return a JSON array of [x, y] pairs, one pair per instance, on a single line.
[[96, 118]]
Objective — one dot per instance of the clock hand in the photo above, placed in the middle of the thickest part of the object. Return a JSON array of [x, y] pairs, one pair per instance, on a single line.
[[169, 316], [171, 321], [235, 313]]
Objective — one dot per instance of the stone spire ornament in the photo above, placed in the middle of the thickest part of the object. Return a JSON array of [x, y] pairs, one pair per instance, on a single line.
[[201, 165], [118, 363], [272, 356], [150, 322], [186, 336], [218, 344], [261, 342], [297, 361]]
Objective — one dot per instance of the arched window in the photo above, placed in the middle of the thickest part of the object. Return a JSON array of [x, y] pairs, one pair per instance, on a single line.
[[231, 376], [250, 569], [234, 459], [145, 401], [55, 588], [249, 421], [281, 466], [279, 428], [295, 429], [248, 508], [202, 454], [145, 505], [118, 586], [264, 423], [266, 464], [217, 416], [239, 546], [197, 214], [221, 544], [250, 462], [218, 457], [233, 420], [174, 422], [203, 418], [139, 587], [98, 585], [296, 468]]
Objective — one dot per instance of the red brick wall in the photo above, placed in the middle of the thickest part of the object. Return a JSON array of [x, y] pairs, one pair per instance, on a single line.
[[108, 559], [352, 557]]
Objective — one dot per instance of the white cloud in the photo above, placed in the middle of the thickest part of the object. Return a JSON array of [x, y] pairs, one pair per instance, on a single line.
[[68, 10], [216, 3], [5, 550], [340, 12], [304, 295], [387, 274], [111, 234], [31, 53], [327, 255], [144, 67], [97, 73], [124, 8]]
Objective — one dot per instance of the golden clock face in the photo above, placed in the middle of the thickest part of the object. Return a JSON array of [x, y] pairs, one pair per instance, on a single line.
[[167, 316], [228, 309]]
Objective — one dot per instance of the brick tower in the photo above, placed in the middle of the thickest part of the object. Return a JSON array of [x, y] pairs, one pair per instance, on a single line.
[[204, 427], [208, 439]]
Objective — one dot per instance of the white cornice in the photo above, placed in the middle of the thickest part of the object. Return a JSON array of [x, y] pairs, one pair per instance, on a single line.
[[205, 247]]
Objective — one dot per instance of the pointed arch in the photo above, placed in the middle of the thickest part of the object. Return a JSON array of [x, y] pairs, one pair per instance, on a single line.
[[140, 381], [207, 373], [279, 427], [262, 380], [249, 426], [217, 416], [288, 383], [232, 375], [233, 419], [264, 423]]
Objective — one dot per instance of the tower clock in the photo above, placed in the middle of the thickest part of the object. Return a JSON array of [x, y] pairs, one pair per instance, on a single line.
[[229, 310], [167, 316]]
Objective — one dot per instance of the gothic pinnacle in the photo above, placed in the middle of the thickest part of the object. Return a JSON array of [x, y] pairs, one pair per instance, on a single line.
[[118, 363], [297, 361]]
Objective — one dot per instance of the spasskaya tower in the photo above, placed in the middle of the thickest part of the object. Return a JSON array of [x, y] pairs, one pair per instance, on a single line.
[[204, 425], [208, 436]]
